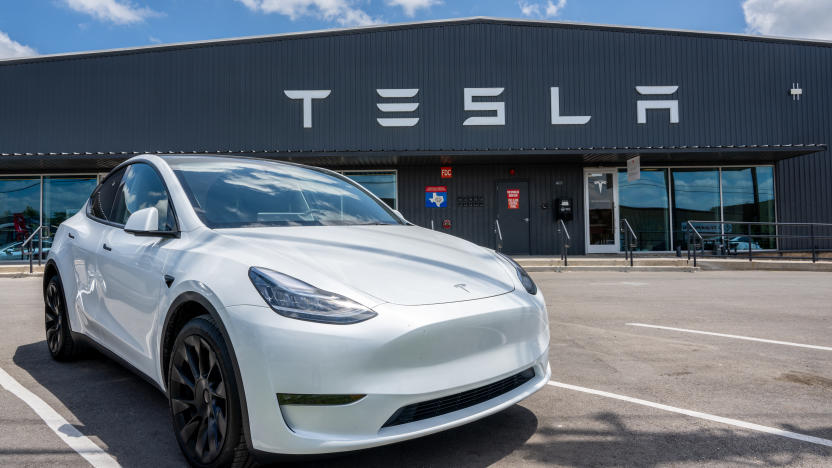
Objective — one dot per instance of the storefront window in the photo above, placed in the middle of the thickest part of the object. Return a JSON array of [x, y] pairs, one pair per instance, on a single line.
[[695, 197], [643, 203], [380, 183], [62, 198], [748, 195], [19, 214]]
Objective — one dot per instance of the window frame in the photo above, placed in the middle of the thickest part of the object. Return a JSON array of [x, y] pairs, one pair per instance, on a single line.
[[174, 232]]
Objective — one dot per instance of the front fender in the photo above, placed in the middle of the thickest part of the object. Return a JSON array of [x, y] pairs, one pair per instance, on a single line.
[[200, 293]]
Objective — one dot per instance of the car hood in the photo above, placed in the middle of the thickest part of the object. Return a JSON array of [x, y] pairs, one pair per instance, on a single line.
[[405, 265]]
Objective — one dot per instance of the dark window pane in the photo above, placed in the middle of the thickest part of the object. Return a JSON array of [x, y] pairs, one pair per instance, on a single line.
[[142, 188], [19, 214], [748, 195], [380, 183], [62, 198], [695, 197], [643, 203], [101, 204]]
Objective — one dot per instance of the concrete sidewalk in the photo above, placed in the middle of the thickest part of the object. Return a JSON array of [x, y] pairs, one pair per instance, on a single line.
[[670, 263]]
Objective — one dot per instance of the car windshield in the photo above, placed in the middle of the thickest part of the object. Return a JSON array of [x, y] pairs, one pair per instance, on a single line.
[[234, 193]]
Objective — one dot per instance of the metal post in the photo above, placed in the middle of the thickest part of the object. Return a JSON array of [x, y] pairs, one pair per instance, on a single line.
[[630, 245], [814, 247], [694, 252], [750, 242], [431, 226], [626, 235]]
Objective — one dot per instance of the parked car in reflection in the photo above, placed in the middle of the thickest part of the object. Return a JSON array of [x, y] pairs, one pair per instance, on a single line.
[[742, 243], [14, 250]]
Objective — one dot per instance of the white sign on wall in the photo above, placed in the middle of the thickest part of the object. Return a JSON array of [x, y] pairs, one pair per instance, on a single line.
[[634, 169]]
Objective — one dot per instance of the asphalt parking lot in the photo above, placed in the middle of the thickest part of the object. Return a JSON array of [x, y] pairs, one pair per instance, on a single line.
[[621, 394]]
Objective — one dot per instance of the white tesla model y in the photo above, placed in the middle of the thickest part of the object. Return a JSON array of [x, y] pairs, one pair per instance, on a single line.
[[284, 309]]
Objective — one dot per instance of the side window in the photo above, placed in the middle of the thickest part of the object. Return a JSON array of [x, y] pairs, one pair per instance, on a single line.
[[142, 188], [101, 201]]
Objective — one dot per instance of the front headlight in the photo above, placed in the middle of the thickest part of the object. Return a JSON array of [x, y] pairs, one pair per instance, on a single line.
[[524, 277], [295, 299]]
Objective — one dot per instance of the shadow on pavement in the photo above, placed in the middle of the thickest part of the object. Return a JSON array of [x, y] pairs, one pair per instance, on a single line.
[[620, 446], [130, 418]]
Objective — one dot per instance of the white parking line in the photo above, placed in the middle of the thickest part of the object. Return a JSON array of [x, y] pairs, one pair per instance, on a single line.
[[737, 337], [66, 431], [697, 414]]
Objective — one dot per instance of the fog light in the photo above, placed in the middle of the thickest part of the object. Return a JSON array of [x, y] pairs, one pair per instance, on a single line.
[[302, 399]]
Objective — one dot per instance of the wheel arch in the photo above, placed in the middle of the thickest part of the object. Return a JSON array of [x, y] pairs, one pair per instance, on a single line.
[[186, 306], [50, 270]]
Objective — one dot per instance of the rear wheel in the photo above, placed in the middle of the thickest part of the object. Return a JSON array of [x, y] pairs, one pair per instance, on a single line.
[[58, 333], [204, 403]]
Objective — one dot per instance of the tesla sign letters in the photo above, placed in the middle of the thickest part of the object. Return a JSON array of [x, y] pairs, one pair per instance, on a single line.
[[398, 107]]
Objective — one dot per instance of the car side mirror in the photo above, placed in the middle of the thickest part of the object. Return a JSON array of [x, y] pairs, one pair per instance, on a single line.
[[144, 222]]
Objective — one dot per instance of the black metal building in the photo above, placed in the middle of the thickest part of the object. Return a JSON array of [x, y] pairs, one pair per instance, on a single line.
[[522, 115]]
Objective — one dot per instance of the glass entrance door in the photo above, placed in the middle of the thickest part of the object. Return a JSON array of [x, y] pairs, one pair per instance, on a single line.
[[601, 200]]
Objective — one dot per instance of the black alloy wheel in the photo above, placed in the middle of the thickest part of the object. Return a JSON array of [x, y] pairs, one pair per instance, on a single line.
[[58, 337], [203, 399]]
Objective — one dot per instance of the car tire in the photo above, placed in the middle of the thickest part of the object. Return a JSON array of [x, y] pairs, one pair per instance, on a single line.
[[203, 398], [58, 332]]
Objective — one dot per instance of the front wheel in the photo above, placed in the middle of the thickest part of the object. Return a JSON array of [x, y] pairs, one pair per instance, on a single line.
[[204, 404]]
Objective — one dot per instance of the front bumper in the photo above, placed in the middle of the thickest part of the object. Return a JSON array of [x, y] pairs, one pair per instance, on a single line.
[[405, 355]]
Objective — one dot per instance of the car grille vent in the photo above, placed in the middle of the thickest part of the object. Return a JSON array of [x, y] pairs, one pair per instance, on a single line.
[[451, 403]]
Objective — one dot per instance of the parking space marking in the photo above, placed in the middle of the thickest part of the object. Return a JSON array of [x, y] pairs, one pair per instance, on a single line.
[[60, 426], [697, 414], [737, 337]]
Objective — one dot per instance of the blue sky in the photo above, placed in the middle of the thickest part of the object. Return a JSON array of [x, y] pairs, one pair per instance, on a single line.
[[29, 27]]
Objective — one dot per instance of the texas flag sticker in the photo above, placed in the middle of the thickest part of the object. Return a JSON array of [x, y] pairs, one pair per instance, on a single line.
[[436, 196]]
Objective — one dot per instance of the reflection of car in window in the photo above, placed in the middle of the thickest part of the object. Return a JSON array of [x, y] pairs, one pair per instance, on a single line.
[[284, 309], [13, 250], [740, 243]]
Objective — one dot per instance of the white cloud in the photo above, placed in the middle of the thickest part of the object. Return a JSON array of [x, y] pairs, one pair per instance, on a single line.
[[114, 11], [10, 48], [339, 11], [539, 10], [410, 6], [796, 18]]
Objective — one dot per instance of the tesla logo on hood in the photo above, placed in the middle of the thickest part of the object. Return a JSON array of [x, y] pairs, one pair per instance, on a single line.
[[462, 287]]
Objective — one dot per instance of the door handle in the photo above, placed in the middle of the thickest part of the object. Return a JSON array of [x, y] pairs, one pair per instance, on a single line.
[[526, 219], [70, 235], [108, 248]]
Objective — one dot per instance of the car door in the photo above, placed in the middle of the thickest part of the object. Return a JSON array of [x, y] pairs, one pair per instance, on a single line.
[[84, 241], [132, 268]]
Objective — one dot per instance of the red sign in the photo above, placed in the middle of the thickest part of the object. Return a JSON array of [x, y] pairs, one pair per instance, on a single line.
[[513, 196], [436, 188], [446, 172], [446, 224]]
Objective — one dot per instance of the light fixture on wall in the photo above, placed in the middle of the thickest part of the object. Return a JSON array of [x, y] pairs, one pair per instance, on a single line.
[[796, 91]]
